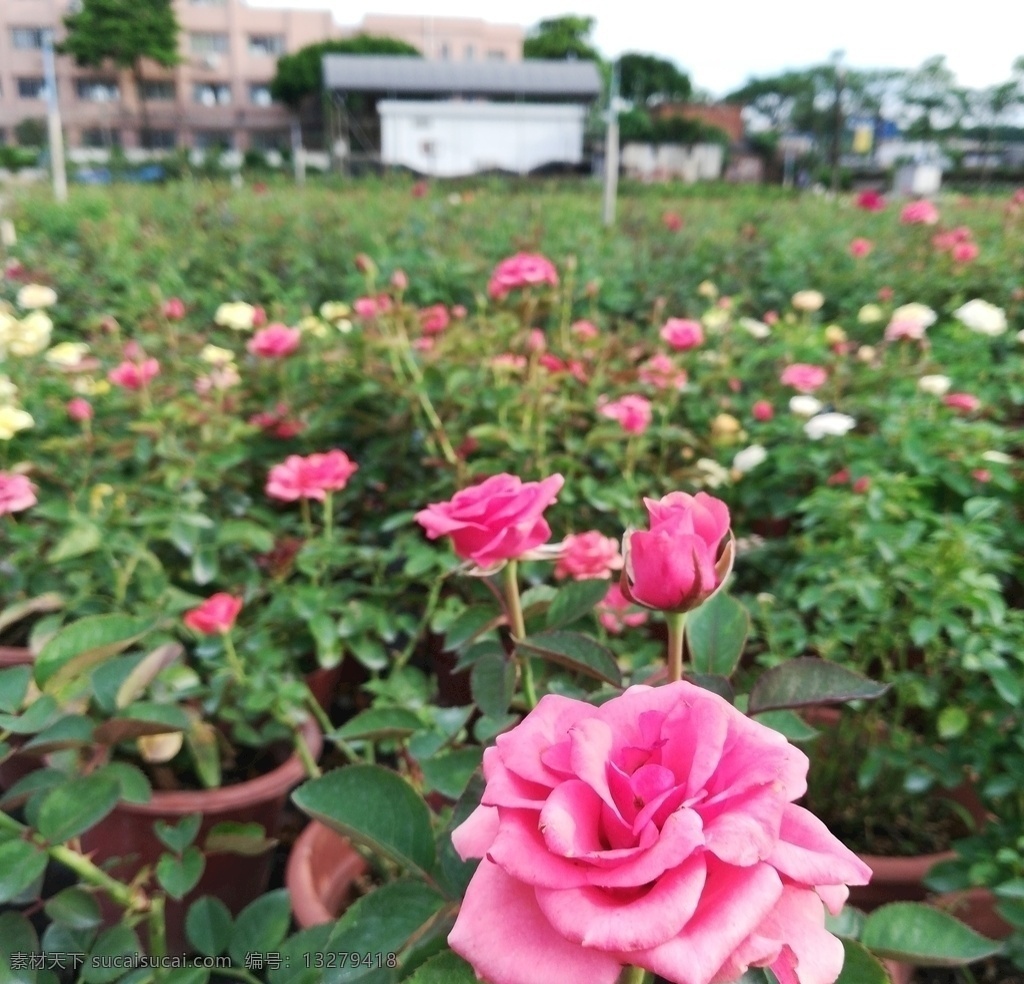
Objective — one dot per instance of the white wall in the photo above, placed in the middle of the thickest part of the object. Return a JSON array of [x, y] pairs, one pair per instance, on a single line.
[[650, 162], [448, 139]]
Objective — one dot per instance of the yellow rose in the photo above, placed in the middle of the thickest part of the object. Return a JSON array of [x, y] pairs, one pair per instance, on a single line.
[[214, 355], [13, 420], [312, 325], [808, 300], [835, 335], [33, 296], [707, 289], [30, 335], [870, 314], [334, 310], [236, 315], [67, 354], [85, 386]]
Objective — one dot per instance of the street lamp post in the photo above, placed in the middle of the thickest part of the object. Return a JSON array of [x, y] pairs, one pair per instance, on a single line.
[[54, 131], [611, 151]]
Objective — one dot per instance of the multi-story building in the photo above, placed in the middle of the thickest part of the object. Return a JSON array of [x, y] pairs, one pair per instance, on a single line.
[[451, 38], [218, 96]]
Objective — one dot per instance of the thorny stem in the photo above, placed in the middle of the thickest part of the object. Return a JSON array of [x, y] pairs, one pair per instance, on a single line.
[[676, 622], [312, 769]]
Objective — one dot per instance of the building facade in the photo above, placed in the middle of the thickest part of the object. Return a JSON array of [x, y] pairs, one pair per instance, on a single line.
[[450, 38]]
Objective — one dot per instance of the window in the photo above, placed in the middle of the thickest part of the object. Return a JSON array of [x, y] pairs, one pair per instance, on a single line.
[[495, 56], [269, 140], [97, 90], [28, 38], [158, 139], [212, 93], [266, 44], [158, 91], [97, 138], [470, 53], [208, 43], [32, 88], [259, 93], [213, 140]]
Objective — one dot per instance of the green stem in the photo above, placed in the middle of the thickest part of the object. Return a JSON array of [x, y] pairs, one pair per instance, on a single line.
[[307, 519], [431, 414], [93, 875], [518, 626], [633, 975], [676, 622], [237, 669], [157, 931], [308, 762], [327, 726]]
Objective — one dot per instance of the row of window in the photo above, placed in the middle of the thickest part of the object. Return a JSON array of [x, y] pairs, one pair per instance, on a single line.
[[200, 43], [161, 139], [203, 93], [445, 52]]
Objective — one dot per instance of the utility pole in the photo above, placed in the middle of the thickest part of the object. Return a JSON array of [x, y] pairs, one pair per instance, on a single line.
[[54, 131], [837, 122], [611, 151]]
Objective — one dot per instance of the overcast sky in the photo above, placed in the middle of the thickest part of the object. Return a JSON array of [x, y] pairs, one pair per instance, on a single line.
[[721, 44]]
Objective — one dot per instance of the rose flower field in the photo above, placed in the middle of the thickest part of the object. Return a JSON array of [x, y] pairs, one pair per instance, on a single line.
[[407, 582]]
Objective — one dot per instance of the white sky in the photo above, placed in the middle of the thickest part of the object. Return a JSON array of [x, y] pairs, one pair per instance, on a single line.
[[723, 42]]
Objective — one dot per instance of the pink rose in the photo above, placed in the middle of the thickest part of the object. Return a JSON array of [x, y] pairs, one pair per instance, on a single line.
[[803, 377], [841, 477], [685, 555], [521, 270], [616, 612], [434, 319], [672, 221], [770, 317], [365, 307], [311, 477], [763, 410], [134, 375], [174, 309], [536, 340], [588, 555], [661, 372], [682, 333], [658, 830], [585, 331], [459, 312], [965, 252], [500, 519], [962, 401], [861, 247], [259, 316], [419, 189], [922, 212], [399, 280], [275, 341], [215, 615], [632, 412], [909, 328], [862, 485], [17, 493], [871, 201], [79, 410], [982, 475]]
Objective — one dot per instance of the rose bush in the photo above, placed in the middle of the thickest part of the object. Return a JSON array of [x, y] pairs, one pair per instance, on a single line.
[[658, 830]]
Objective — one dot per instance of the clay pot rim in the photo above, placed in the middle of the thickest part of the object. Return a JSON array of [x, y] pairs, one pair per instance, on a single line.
[[888, 867], [15, 656], [308, 905], [274, 783]]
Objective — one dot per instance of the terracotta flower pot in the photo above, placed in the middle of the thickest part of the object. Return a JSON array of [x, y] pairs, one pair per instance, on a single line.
[[323, 684], [322, 868], [127, 835], [977, 908], [15, 656], [895, 879]]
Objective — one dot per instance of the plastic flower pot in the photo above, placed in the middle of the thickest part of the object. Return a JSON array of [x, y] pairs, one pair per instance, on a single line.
[[127, 835], [321, 874]]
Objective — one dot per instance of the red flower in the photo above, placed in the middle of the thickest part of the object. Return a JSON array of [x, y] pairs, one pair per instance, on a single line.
[[214, 616]]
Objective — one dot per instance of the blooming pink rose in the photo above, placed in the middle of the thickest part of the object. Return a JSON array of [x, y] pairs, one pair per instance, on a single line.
[[632, 412], [685, 555], [885, 293], [134, 375], [803, 377], [616, 612], [658, 830], [922, 212], [672, 221], [871, 201], [965, 252], [909, 328], [521, 270], [365, 307], [588, 555], [500, 519], [661, 372], [763, 410], [861, 247], [682, 333], [79, 409], [311, 477], [215, 615], [434, 319], [174, 309], [275, 341], [770, 318], [16, 493], [585, 331], [962, 401], [259, 316]]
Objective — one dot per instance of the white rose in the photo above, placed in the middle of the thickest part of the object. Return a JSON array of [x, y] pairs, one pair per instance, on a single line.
[[8, 391], [67, 354], [919, 313], [749, 458], [755, 328], [808, 300], [870, 314], [236, 315], [214, 355], [982, 317], [829, 425], [997, 457], [712, 474], [805, 406], [935, 385], [33, 296], [30, 335]]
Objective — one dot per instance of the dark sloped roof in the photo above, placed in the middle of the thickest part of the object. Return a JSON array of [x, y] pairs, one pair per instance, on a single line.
[[400, 75]]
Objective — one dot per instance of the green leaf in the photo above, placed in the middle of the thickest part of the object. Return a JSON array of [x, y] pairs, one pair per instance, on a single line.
[[146, 671], [804, 681], [187, 975], [919, 934], [247, 534], [176, 837], [141, 719], [16, 937], [118, 941], [299, 957], [48, 602], [445, 968], [378, 723], [448, 773], [492, 682], [382, 922], [80, 646], [179, 876], [575, 600], [73, 731], [716, 633], [860, 967], [77, 542], [40, 714], [208, 926], [13, 688], [78, 804], [201, 739], [952, 722], [247, 839], [374, 807], [477, 651], [261, 926], [576, 652], [468, 626], [789, 724], [135, 787], [75, 908], [456, 873], [21, 864], [35, 782]]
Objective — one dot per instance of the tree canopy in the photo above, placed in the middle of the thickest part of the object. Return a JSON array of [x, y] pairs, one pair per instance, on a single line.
[[646, 79], [124, 32], [300, 74], [562, 38]]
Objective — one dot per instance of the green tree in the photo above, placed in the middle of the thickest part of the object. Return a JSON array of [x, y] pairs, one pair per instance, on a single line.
[[300, 74], [646, 79], [932, 99], [124, 32], [562, 38]]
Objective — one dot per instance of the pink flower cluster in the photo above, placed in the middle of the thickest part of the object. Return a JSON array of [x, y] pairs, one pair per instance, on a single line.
[[434, 319], [134, 375], [312, 477], [860, 247], [588, 555], [682, 333], [521, 270], [632, 412], [959, 243], [803, 377], [369, 308], [277, 422], [276, 341], [871, 201], [921, 212], [17, 493], [660, 372]]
